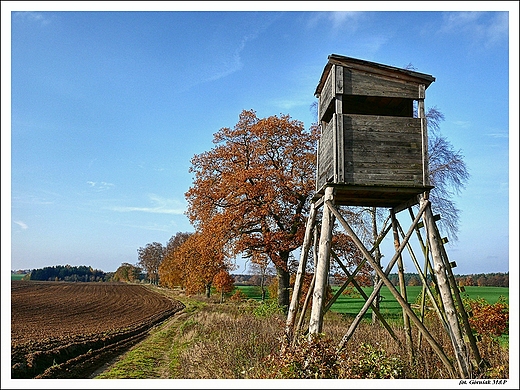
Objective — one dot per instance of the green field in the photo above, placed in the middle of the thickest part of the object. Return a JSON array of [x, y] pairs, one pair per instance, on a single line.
[[389, 305], [17, 276], [252, 292], [351, 305]]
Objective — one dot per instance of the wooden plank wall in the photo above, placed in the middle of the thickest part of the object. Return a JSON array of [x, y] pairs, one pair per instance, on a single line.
[[326, 156], [384, 146], [382, 150], [359, 83], [326, 98]]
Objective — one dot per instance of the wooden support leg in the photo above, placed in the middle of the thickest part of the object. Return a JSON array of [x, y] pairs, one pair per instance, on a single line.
[[479, 362], [444, 288], [402, 287], [293, 308], [316, 320], [425, 288]]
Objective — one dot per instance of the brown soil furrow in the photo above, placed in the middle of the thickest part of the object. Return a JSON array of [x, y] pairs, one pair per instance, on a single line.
[[61, 324]]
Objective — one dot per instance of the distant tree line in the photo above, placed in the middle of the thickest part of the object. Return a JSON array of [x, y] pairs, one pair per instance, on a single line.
[[411, 279], [69, 273], [491, 279]]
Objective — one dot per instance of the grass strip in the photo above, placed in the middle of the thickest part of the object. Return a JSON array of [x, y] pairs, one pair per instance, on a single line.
[[157, 355]]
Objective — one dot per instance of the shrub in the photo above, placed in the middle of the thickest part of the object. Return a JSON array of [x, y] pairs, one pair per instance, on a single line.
[[488, 319], [369, 362], [238, 296], [267, 308], [318, 358], [312, 359]]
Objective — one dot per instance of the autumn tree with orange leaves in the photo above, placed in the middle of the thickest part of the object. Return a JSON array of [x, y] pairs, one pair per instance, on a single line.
[[253, 189], [224, 283], [172, 272], [201, 257]]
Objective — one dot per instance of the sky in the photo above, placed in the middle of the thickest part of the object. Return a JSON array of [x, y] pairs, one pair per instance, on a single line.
[[106, 109]]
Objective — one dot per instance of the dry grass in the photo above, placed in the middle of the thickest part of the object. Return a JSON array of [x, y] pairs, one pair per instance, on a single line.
[[242, 340], [232, 341], [227, 343]]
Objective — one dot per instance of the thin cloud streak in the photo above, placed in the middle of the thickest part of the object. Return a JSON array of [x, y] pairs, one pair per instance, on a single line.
[[22, 225], [162, 206], [153, 210]]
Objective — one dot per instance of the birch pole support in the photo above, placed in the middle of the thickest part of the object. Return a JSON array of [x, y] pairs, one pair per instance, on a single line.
[[318, 298], [293, 308], [445, 292], [402, 287], [479, 362]]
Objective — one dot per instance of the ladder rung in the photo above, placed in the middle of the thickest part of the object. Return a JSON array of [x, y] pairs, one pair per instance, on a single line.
[[436, 217]]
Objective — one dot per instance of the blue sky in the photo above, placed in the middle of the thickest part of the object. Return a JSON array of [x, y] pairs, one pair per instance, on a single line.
[[107, 109]]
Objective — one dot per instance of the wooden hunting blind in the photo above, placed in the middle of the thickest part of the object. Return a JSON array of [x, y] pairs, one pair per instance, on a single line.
[[372, 148], [373, 152]]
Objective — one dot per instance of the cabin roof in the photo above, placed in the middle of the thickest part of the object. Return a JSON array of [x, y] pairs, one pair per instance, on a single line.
[[374, 68]]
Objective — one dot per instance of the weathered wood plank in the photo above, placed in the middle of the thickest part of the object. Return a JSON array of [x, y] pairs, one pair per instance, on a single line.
[[356, 82], [382, 150], [325, 156], [326, 99], [382, 179]]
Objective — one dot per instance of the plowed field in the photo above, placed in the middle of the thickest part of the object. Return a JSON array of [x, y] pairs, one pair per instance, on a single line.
[[68, 330]]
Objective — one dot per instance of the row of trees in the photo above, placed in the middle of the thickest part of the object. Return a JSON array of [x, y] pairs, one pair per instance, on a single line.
[[492, 279], [69, 273], [191, 261]]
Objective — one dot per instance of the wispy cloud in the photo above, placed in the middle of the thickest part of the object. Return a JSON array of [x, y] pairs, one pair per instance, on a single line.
[[227, 66], [463, 124], [288, 103], [22, 225], [338, 21], [226, 50], [498, 135], [31, 17], [485, 29], [159, 205], [100, 186], [30, 199]]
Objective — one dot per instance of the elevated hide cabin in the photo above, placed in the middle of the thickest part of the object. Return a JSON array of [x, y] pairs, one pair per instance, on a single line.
[[373, 144], [373, 152]]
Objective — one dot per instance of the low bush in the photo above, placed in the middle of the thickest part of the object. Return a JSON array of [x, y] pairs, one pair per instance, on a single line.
[[488, 319]]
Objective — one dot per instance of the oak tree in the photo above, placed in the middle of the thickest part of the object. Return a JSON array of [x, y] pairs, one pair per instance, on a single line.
[[255, 186], [150, 257], [202, 257], [127, 273], [224, 283], [172, 271]]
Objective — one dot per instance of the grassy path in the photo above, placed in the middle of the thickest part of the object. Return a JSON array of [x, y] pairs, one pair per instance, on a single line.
[[156, 356]]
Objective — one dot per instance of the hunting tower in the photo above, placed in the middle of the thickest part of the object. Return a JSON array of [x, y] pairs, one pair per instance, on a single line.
[[373, 152], [372, 148]]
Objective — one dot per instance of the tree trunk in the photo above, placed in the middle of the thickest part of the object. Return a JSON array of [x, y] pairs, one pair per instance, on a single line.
[[208, 290], [262, 284], [283, 283]]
